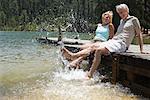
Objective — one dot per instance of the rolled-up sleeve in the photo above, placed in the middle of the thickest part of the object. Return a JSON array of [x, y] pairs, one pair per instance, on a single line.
[[137, 26]]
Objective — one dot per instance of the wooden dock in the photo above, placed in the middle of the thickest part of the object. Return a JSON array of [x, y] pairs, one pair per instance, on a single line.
[[53, 40], [132, 69]]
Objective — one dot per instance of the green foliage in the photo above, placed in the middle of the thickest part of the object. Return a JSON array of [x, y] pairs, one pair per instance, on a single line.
[[32, 15], [2, 19], [146, 40]]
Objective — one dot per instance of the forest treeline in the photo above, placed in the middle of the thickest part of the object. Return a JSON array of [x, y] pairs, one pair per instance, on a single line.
[[80, 15]]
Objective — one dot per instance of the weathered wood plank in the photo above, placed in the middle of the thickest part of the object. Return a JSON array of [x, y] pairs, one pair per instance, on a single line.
[[134, 69], [139, 89]]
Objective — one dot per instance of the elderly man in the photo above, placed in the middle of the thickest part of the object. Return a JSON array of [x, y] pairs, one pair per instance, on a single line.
[[128, 28]]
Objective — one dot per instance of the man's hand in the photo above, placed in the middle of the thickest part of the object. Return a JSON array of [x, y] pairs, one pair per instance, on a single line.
[[144, 52]]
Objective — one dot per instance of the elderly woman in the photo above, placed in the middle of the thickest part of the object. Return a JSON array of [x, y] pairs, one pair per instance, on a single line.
[[128, 28]]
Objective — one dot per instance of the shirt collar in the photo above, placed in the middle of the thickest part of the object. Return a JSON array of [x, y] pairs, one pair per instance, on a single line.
[[129, 17]]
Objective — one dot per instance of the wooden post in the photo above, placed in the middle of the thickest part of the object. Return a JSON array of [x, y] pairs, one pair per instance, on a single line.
[[46, 40], [60, 34], [130, 77], [115, 68]]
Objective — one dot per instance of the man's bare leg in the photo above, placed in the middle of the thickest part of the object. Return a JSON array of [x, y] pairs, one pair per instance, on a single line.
[[97, 60], [76, 63]]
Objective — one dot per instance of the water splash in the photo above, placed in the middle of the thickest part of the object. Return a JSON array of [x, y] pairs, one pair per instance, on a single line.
[[70, 84], [47, 34], [73, 23], [72, 74]]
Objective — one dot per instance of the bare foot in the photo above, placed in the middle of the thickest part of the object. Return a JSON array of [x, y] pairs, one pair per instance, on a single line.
[[87, 78], [73, 66], [67, 54], [88, 75], [76, 63]]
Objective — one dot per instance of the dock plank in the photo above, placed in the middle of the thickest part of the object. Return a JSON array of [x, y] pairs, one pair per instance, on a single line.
[[134, 50]]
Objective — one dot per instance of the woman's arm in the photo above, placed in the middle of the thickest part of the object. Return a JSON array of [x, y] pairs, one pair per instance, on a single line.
[[111, 31]]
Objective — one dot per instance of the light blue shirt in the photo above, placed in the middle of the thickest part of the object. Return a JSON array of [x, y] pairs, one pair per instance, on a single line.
[[102, 33]]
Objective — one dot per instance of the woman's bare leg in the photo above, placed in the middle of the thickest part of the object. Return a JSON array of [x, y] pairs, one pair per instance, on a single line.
[[67, 54], [73, 56], [87, 51], [87, 45]]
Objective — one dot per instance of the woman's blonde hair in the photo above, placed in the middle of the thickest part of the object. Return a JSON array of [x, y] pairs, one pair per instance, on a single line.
[[109, 13]]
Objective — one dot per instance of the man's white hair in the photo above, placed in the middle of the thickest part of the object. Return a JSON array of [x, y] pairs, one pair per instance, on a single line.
[[122, 6]]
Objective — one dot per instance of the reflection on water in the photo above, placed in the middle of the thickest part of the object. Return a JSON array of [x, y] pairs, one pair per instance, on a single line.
[[33, 71]]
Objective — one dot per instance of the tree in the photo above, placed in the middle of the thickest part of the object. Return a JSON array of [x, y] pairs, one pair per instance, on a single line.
[[85, 12], [14, 8], [23, 18], [2, 19]]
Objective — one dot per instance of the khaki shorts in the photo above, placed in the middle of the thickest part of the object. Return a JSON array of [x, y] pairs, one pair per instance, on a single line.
[[114, 45]]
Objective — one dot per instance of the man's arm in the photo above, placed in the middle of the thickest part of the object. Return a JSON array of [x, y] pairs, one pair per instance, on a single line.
[[138, 33], [140, 41]]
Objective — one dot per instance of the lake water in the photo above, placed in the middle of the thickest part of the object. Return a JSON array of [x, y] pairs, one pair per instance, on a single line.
[[33, 71]]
